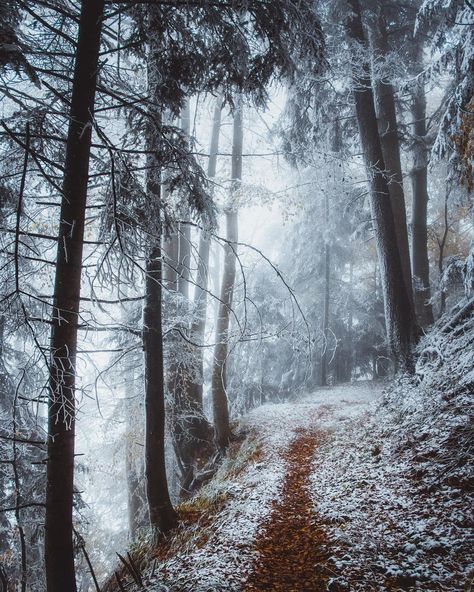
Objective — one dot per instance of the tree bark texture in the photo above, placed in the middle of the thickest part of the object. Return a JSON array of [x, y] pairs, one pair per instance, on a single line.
[[162, 515], [398, 312], [7, 392], [219, 382], [134, 465], [184, 257], [419, 180], [389, 137], [134, 502], [59, 554]]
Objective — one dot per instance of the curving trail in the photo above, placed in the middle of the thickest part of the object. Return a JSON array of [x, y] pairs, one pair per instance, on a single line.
[[255, 527], [291, 547]]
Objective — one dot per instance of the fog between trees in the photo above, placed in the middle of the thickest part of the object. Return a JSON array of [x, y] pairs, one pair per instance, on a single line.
[[205, 207]]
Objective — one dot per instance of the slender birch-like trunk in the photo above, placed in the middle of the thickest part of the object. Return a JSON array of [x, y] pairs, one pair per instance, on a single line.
[[219, 378], [198, 326], [327, 287]]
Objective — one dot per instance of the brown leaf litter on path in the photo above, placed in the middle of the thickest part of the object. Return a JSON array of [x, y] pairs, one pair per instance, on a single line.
[[292, 551]]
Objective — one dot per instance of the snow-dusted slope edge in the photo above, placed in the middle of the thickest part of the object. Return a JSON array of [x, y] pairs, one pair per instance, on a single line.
[[395, 488], [214, 550], [218, 556]]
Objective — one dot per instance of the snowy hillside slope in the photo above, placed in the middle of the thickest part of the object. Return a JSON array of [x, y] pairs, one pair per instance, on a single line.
[[395, 489], [219, 542], [387, 497]]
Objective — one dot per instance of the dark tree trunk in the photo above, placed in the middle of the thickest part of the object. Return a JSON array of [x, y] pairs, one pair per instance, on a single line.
[[59, 554], [219, 379], [162, 515], [419, 179], [442, 245], [7, 391], [184, 260], [389, 137], [398, 312]]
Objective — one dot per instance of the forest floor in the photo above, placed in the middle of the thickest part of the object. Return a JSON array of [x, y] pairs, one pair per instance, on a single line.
[[305, 502]]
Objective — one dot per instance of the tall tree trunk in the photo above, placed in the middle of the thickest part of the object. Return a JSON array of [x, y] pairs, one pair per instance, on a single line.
[[178, 368], [134, 469], [184, 259], [162, 515], [327, 277], [59, 554], [398, 312], [198, 326], [419, 180], [190, 426], [442, 245], [196, 429], [336, 146], [7, 392], [219, 379], [389, 137], [350, 320], [134, 502]]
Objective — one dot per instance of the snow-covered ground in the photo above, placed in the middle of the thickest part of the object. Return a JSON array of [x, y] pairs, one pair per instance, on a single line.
[[396, 514], [250, 483], [394, 523], [394, 488]]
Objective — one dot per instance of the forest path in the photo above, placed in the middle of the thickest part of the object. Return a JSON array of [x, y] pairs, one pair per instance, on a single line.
[[291, 546], [264, 534]]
